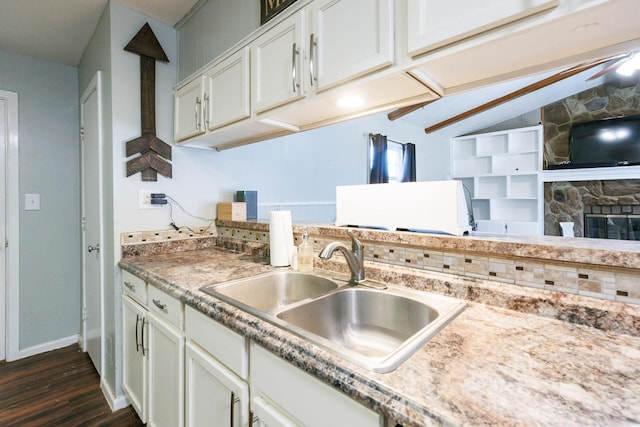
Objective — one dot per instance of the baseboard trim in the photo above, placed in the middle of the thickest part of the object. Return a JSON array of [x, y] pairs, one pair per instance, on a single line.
[[48, 346], [115, 402]]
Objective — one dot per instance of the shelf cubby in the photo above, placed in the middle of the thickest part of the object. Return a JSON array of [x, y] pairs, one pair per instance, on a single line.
[[502, 172], [524, 186], [491, 187]]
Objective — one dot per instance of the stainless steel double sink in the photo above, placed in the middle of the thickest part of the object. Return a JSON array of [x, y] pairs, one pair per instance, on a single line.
[[377, 329]]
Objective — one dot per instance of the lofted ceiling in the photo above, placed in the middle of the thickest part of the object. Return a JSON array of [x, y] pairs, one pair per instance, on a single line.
[[60, 30]]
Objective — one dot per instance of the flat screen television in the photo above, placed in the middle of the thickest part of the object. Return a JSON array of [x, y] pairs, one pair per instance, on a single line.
[[604, 143]]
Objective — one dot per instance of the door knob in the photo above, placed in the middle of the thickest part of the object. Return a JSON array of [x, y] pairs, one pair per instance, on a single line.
[[94, 248]]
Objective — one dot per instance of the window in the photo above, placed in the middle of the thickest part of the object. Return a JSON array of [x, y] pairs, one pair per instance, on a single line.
[[390, 161]]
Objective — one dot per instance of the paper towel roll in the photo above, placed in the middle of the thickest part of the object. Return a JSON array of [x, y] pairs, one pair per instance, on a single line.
[[280, 238]]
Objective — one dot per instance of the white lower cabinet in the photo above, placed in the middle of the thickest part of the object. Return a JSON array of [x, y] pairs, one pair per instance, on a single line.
[[134, 355], [166, 374], [285, 395], [181, 367], [214, 395], [217, 393], [153, 353]]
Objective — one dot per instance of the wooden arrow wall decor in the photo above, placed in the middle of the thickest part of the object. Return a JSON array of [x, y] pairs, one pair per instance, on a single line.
[[153, 151]]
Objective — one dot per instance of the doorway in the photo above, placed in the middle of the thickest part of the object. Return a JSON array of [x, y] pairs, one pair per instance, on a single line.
[[9, 227], [92, 223]]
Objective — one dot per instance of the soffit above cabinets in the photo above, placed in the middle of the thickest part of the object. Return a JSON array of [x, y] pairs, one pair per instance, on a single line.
[[60, 30]]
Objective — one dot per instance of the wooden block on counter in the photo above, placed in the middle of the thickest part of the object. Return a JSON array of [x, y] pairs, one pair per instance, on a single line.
[[232, 211]]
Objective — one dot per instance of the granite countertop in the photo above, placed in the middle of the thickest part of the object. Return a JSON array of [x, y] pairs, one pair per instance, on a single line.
[[491, 365]]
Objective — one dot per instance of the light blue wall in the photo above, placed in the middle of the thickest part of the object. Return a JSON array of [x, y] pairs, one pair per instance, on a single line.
[[49, 166]]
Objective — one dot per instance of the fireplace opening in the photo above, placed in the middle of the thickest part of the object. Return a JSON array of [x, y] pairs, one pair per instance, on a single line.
[[619, 226]]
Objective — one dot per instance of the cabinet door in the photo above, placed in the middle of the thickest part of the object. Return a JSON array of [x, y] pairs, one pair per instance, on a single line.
[[349, 38], [303, 397], [214, 395], [134, 355], [166, 374], [435, 23], [276, 65], [268, 415], [228, 89], [189, 110]]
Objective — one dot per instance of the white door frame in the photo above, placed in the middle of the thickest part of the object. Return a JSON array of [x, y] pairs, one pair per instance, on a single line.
[[94, 86], [12, 227]]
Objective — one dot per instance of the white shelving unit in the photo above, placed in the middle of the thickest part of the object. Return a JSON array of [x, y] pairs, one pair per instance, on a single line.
[[501, 170]]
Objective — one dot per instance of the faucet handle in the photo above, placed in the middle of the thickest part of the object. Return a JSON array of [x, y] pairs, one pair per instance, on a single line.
[[356, 245]]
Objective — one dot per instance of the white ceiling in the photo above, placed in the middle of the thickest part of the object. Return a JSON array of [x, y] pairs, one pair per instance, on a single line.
[[59, 30]]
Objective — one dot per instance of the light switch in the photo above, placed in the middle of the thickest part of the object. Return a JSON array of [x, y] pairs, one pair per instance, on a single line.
[[31, 202]]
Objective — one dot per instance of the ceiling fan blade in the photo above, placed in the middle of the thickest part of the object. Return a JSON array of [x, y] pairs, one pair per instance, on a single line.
[[610, 68]]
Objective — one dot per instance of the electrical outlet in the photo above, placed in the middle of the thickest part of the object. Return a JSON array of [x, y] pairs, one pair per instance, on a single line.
[[144, 199]]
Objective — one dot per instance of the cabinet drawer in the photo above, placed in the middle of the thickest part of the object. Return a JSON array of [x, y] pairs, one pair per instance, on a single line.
[[166, 306], [274, 378], [229, 347], [135, 287]]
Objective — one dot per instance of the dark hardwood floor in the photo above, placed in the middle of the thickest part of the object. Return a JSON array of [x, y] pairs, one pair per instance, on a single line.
[[57, 388]]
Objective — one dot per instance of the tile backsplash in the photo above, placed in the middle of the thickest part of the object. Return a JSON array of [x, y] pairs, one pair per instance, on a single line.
[[613, 284]]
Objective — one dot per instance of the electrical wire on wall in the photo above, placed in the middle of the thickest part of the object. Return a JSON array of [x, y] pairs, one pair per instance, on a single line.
[[172, 202]]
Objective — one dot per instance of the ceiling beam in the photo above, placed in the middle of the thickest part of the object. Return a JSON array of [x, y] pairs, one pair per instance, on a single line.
[[403, 111], [520, 92]]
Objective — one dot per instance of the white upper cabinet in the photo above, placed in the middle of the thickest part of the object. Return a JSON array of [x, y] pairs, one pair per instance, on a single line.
[[347, 39], [188, 121], [227, 98], [435, 23], [276, 64]]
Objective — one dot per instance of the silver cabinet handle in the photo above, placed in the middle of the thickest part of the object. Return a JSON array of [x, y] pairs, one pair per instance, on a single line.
[[144, 350], [198, 106], [159, 304], [206, 110], [130, 286], [312, 45], [138, 318], [93, 248], [294, 77]]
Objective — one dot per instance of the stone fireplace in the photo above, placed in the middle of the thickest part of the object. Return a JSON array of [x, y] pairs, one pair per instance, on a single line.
[[571, 200]]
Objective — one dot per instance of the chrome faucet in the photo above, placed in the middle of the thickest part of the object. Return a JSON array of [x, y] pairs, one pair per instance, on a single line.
[[354, 256]]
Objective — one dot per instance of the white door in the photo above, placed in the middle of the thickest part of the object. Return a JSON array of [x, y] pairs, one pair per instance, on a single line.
[[9, 227], [92, 222], [4, 109]]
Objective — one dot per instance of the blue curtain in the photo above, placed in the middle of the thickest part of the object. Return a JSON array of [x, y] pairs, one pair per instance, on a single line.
[[409, 162], [379, 170]]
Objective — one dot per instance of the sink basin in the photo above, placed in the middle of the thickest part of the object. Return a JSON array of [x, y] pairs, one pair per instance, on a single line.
[[272, 291], [377, 329]]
